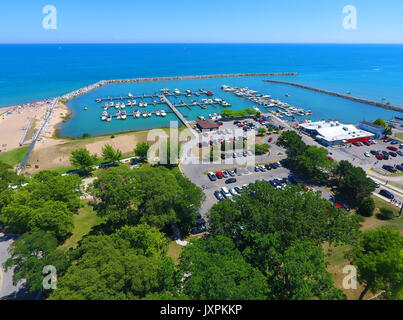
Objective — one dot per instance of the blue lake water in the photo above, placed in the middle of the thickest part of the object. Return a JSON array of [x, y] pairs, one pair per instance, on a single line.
[[33, 72]]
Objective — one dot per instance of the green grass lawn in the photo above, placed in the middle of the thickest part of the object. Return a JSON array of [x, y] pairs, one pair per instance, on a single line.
[[398, 135], [84, 221], [13, 157]]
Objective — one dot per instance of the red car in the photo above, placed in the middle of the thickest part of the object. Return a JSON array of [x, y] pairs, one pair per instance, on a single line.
[[366, 143], [219, 175], [379, 156], [391, 148], [387, 140], [270, 139], [357, 144], [330, 158], [338, 205], [200, 145], [220, 123]]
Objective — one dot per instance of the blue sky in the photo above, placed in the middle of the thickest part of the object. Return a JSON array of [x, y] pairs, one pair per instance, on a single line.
[[200, 21]]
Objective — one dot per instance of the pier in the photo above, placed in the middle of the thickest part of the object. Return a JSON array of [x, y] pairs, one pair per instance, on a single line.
[[365, 101], [26, 131], [178, 114], [85, 90]]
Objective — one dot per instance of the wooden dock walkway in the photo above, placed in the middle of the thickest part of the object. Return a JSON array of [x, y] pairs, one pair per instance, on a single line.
[[178, 114]]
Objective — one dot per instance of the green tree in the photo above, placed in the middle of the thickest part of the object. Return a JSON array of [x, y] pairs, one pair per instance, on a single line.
[[379, 260], [83, 160], [9, 177], [366, 207], [147, 240], [266, 225], [261, 149], [261, 131], [30, 253], [295, 147], [386, 213], [109, 268], [215, 269], [314, 162], [354, 185], [141, 149], [118, 191], [111, 155]]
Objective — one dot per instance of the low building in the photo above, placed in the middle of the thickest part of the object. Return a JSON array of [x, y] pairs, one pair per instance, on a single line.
[[377, 130], [334, 133], [207, 125]]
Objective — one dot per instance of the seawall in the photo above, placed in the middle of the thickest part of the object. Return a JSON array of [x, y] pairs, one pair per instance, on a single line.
[[360, 100]]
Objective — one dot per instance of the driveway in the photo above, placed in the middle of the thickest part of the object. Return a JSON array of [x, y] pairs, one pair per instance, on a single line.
[[8, 291]]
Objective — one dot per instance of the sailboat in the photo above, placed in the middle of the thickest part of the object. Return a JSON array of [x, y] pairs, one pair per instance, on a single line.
[[163, 113], [158, 113]]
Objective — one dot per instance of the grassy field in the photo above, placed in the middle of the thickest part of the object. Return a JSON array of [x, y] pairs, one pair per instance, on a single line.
[[13, 157], [84, 221], [398, 135], [174, 249]]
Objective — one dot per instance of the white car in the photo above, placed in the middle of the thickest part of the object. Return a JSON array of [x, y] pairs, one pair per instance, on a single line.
[[233, 192], [367, 154]]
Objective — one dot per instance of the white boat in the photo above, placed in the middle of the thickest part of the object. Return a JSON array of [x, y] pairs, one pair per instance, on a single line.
[[176, 91], [158, 113], [85, 108], [123, 115], [104, 118], [138, 114], [122, 105], [109, 119], [141, 104], [145, 104], [134, 102], [163, 113], [129, 103], [144, 115], [130, 94], [149, 114]]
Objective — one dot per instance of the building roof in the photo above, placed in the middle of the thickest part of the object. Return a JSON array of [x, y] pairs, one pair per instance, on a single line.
[[373, 125], [342, 132], [207, 124]]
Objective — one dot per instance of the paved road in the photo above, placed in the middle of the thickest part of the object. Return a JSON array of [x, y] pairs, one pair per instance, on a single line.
[[8, 291]]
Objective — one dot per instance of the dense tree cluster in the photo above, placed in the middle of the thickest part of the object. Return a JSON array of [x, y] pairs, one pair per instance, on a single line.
[[47, 203], [153, 195], [309, 160], [280, 233]]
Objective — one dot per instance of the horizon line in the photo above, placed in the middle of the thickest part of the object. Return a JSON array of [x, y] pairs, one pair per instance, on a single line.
[[206, 43]]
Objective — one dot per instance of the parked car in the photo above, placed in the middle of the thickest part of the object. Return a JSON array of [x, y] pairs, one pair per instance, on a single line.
[[400, 153], [230, 180], [389, 168], [268, 166], [262, 168], [224, 174], [225, 192], [393, 154], [399, 167], [394, 142], [218, 195], [356, 144], [233, 192], [387, 139], [198, 229], [292, 178], [386, 194], [270, 139], [212, 176], [238, 189], [231, 173], [219, 175], [367, 154], [391, 148]]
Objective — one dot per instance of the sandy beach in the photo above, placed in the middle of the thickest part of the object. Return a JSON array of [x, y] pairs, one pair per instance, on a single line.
[[13, 122]]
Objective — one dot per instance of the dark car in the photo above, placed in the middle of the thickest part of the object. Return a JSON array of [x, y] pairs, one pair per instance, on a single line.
[[389, 168], [224, 174], [199, 229], [223, 156], [399, 167], [393, 154], [218, 195], [200, 222], [231, 173], [268, 166], [275, 165], [238, 189], [292, 178], [230, 180], [387, 194], [374, 152]]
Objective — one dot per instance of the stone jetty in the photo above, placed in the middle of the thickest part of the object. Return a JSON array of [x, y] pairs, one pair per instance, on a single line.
[[373, 103]]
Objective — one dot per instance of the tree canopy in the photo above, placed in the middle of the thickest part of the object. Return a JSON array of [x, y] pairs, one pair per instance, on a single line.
[[378, 257], [141, 149], [83, 160], [281, 233], [111, 155]]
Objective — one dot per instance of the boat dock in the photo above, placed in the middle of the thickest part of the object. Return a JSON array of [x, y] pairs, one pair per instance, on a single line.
[[178, 114]]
